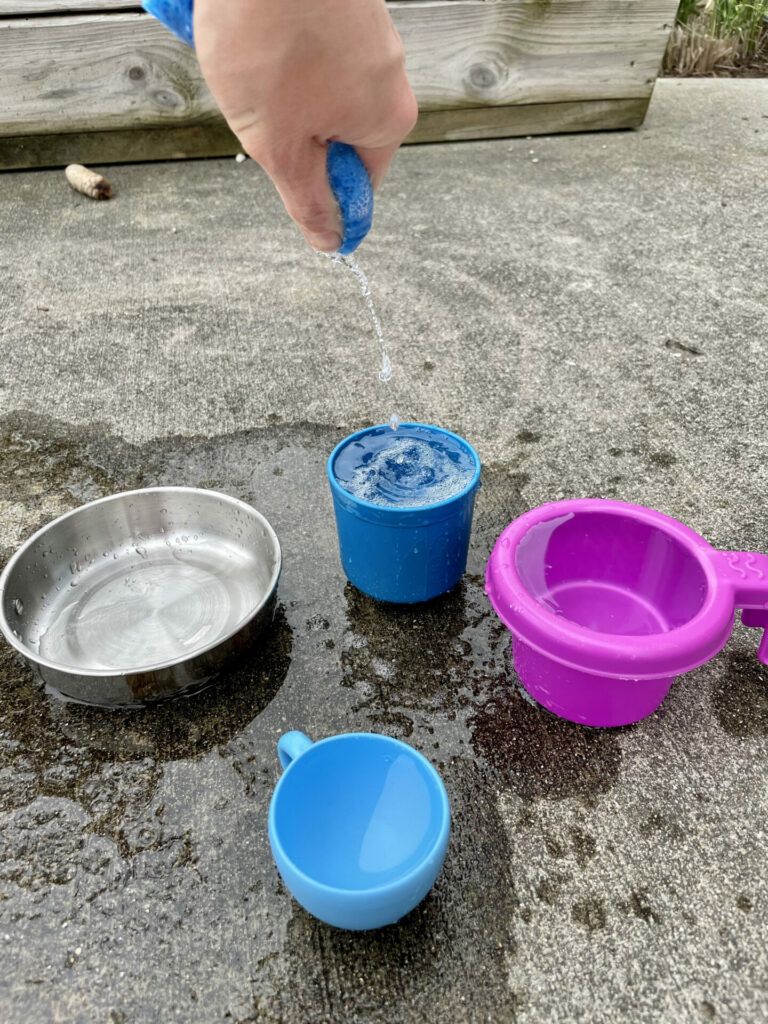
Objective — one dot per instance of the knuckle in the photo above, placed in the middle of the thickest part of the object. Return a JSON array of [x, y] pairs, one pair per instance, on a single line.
[[408, 113], [403, 113]]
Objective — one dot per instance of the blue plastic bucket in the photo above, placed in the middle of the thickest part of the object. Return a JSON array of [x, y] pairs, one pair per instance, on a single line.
[[404, 555]]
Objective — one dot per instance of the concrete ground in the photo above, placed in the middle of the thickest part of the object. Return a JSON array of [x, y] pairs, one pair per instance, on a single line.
[[591, 313]]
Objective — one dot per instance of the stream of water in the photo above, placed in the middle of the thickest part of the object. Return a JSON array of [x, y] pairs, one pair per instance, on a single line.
[[385, 372]]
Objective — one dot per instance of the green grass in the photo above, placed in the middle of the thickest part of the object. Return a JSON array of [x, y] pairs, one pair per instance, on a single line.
[[740, 20]]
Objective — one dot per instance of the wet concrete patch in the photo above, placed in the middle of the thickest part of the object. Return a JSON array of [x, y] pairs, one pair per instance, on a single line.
[[640, 907], [99, 804], [589, 914], [408, 971], [740, 698], [542, 755], [134, 840]]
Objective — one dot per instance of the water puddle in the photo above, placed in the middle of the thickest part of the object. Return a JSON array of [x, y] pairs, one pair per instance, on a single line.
[[106, 812]]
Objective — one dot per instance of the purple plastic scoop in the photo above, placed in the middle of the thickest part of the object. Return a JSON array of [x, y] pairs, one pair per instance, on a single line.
[[608, 602]]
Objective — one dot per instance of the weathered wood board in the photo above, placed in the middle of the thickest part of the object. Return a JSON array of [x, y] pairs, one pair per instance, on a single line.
[[15, 7], [215, 139], [474, 65]]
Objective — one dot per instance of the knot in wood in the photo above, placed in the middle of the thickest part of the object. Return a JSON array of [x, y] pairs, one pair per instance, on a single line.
[[482, 76], [166, 98]]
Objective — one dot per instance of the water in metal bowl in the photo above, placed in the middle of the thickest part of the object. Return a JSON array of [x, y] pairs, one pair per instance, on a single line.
[[140, 596]]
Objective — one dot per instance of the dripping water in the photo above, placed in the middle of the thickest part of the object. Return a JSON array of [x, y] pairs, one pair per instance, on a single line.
[[385, 372]]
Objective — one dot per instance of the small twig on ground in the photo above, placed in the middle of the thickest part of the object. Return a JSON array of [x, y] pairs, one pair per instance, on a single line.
[[91, 184]]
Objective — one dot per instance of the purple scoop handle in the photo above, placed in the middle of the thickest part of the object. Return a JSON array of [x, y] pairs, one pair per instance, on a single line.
[[747, 573], [758, 619]]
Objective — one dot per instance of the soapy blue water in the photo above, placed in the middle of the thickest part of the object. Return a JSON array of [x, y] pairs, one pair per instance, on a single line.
[[410, 468]]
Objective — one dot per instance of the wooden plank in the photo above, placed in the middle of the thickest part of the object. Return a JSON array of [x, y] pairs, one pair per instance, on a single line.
[[528, 119], [16, 7], [215, 139], [533, 51], [125, 146], [97, 72], [104, 72]]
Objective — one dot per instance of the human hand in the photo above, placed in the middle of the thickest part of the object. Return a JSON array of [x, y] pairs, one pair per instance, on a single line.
[[290, 75]]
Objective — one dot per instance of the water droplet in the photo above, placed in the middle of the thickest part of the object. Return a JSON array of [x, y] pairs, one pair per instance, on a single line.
[[140, 552], [73, 567], [18, 606], [394, 421], [73, 583]]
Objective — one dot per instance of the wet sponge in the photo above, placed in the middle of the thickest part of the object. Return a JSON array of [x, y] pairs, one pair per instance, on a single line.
[[352, 187], [175, 15]]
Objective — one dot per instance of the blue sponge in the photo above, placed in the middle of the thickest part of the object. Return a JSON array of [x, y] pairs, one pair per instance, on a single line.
[[352, 187], [348, 177], [175, 15]]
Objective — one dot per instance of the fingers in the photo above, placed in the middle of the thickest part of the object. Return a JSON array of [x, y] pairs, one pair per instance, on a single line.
[[377, 161], [298, 167], [300, 176], [401, 122]]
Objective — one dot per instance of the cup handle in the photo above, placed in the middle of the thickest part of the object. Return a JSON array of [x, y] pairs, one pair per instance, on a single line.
[[747, 574], [292, 745]]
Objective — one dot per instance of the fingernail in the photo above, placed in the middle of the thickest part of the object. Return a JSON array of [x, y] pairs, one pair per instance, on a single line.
[[328, 241]]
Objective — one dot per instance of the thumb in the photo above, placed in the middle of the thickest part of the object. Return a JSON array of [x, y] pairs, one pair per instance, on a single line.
[[301, 178]]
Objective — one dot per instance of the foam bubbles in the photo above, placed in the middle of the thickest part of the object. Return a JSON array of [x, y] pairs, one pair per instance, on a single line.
[[408, 472]]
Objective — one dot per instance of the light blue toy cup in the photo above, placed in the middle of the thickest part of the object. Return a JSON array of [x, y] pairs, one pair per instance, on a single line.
[[358, 826], [404, 555]]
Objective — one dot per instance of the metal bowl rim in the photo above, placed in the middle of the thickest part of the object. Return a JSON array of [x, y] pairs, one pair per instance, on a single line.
[[32, 656]]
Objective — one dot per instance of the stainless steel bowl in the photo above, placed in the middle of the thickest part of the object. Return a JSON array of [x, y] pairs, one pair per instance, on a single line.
[[140, 596]]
